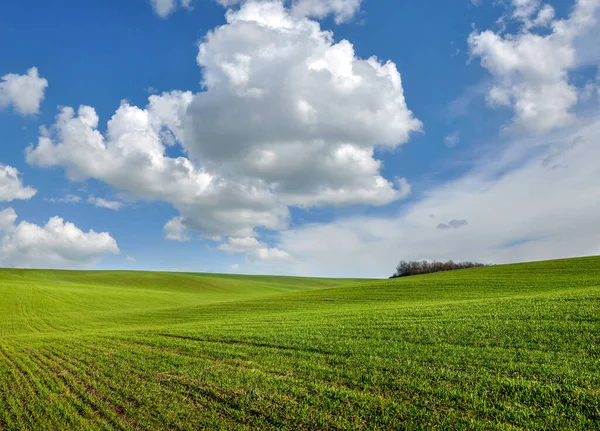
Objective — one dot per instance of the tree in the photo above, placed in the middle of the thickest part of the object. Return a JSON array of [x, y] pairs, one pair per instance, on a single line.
[[406, 269]]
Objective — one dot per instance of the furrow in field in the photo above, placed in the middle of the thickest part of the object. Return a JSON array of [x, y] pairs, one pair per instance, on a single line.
[[518, 379], [189, 398], [447, 360], [20, 391], [252, 344], [126, 384], [61, 399], [92, 405], [7, 302], [33, 392], [8, 389], [294, 397]]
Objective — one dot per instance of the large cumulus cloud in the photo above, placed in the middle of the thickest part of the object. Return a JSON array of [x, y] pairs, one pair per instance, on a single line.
[[288, 117]]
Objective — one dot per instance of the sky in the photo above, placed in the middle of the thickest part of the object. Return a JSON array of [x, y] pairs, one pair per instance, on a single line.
[[297, 137]]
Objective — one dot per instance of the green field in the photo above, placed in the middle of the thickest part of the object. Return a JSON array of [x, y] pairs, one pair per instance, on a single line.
[[506, 347]]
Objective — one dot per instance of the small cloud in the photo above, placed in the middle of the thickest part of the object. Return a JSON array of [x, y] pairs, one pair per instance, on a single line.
[[67, 199], [591, 89], [458, 223], [453, 224], [452, 140], [151, 90], [235, 267], [11, 185], [164, 8], [103, 203], [175, 230], [270, 254], [24, 93], [168, 138], [130, 259], [404, 188]]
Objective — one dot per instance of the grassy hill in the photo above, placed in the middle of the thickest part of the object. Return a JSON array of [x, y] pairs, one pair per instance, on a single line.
[[507, 347]]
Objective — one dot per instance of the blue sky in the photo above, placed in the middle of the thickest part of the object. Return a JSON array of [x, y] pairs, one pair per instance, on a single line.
[[309, 137]]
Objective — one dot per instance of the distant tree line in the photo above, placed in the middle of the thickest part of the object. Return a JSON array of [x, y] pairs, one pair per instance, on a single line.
[[406, 269]]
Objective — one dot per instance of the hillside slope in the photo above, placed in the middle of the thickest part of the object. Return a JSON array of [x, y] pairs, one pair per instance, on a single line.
[[507, 347]]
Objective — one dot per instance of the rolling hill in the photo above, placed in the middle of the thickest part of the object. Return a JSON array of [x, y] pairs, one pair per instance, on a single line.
[[505, 347]]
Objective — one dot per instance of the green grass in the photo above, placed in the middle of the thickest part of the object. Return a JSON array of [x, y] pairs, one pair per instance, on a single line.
[[507, 347]]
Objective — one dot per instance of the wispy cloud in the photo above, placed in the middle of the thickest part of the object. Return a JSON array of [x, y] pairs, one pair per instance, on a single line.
[[501, 200], [452, 140], [453, 224], [66, 199], [103, 203]]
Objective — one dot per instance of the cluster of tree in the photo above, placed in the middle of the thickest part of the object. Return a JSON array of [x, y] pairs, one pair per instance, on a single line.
[[406, 269]]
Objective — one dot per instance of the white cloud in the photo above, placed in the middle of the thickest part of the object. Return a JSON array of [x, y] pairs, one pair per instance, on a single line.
[[532, 13], [103, 203], [254, 250], [164, 8], [93, 200], [11, 185], [287, 105], [240, 245], [531, 70], [524, 9], [452, 140], [67, 199], [8, 217], [175, 230], [131, 157], [130, 259], [591, 89], [266, 254], [588, 92], [533, 200], [288, 118], [57, 244], [342, 10], [544, 17], [23, 92]]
